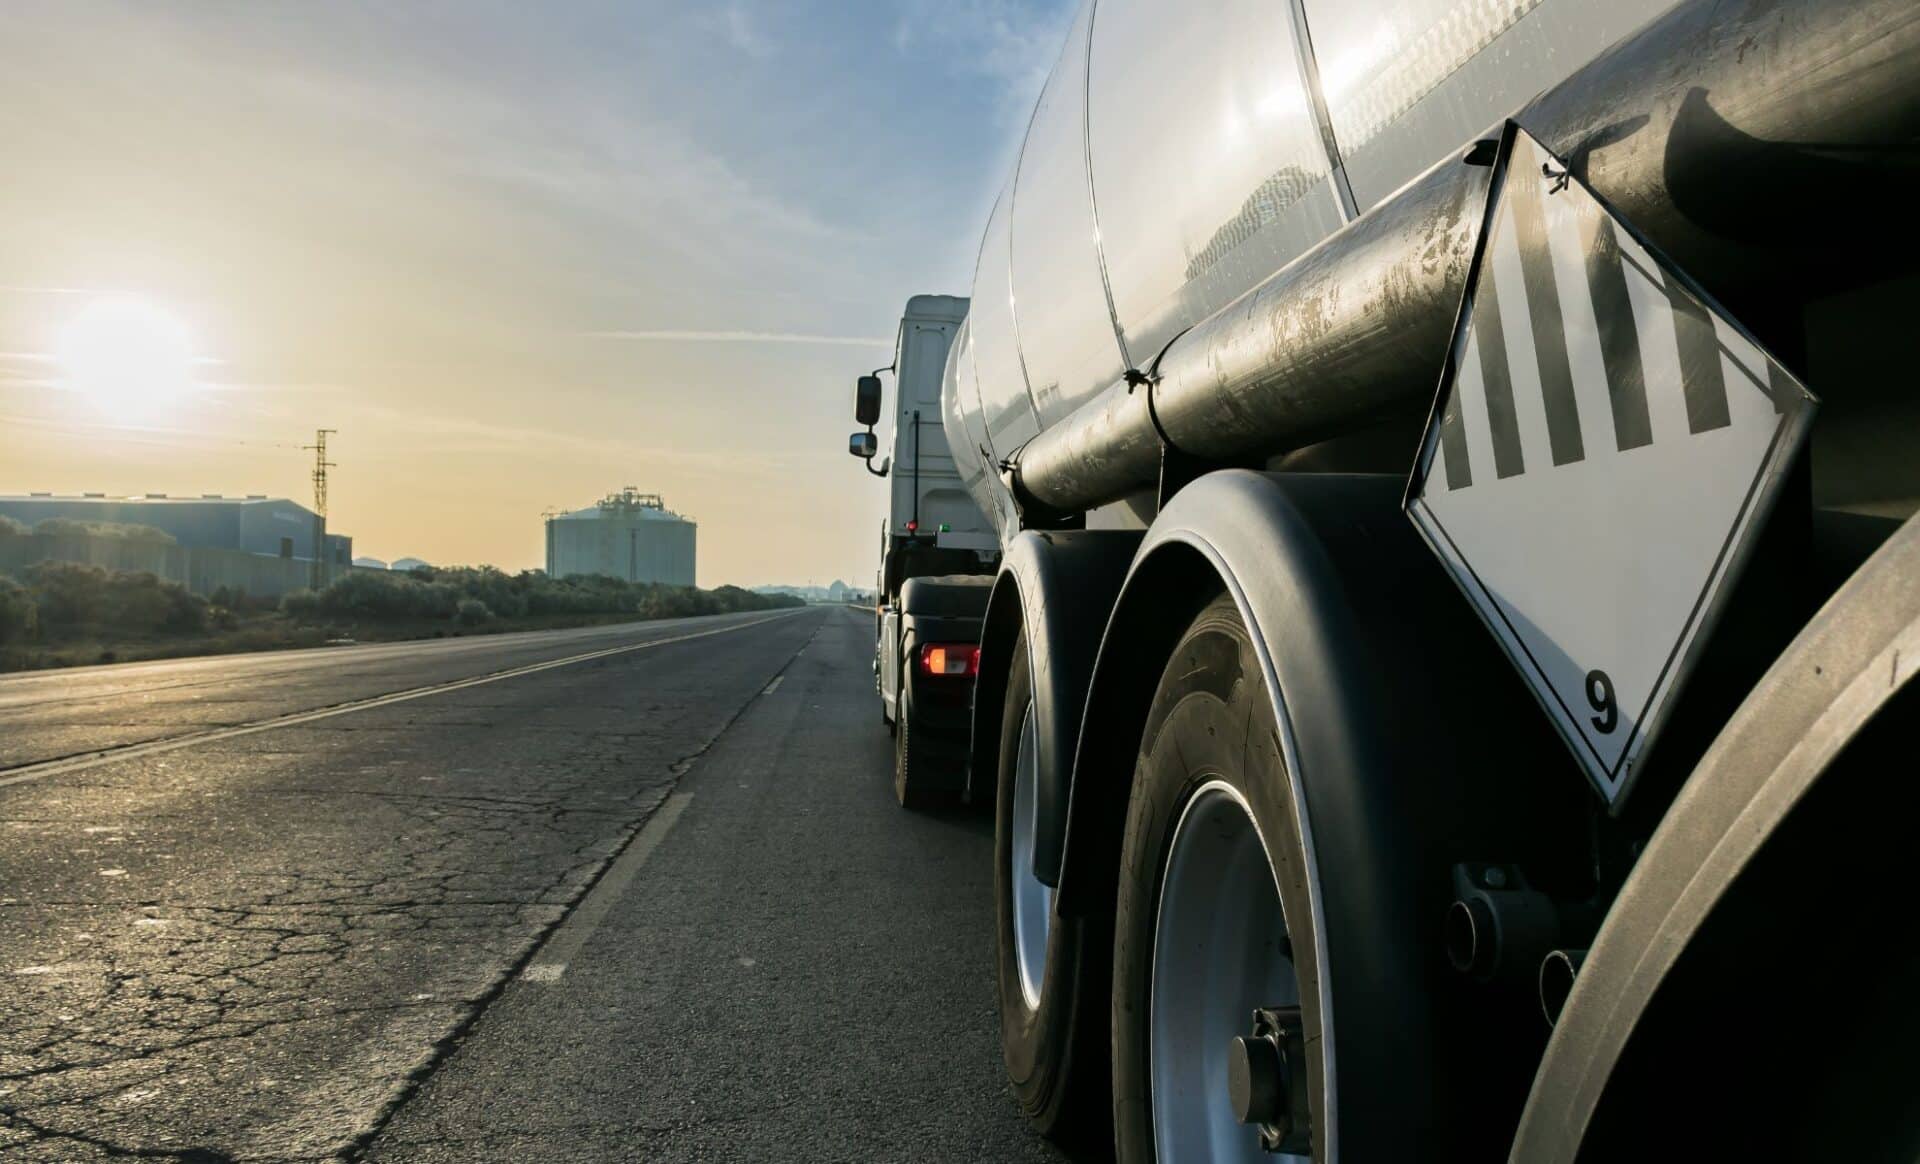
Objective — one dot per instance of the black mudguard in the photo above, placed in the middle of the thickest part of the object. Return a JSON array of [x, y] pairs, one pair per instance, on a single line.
[[1059, 586]]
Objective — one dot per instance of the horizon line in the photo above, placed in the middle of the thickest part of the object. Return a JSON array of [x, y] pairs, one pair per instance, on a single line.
[[777, 337]]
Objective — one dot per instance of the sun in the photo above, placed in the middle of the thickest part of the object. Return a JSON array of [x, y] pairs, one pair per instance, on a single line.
[[130, 359]]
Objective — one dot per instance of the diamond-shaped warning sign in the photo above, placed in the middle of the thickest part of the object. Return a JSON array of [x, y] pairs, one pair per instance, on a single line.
[[1604, 445]]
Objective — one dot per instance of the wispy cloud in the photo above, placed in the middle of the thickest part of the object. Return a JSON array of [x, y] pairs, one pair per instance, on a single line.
[[751, 337], [196, 438], [1008, 41], [443, 434], [599, 159], [744, 33], [50, 357]]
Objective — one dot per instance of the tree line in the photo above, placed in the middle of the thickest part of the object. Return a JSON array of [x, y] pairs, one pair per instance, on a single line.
[[53, 600]]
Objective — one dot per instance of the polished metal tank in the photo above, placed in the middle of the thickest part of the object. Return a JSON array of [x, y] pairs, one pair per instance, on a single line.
[[1270, 200]]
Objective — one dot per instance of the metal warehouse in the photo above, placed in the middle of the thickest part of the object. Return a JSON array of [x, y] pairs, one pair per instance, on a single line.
[[255, 524], [628, 535]]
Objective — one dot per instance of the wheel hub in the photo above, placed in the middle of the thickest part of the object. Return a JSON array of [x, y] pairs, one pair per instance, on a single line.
[[1265, 1083], [1220, 950]]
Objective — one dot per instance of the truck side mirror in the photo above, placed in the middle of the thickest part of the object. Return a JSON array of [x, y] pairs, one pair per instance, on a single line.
[[866, 402], [863, 445]]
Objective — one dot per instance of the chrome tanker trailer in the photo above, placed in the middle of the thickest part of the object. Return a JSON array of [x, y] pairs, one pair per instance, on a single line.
[[1448, 693]]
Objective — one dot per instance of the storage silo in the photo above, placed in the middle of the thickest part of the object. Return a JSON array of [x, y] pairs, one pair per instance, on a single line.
[[629, 535]]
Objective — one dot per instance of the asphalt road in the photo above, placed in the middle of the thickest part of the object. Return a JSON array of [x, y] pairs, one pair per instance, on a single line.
[[51, 714], [653, 903]]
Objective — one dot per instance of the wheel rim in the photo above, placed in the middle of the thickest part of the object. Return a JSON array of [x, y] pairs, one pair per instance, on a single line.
[[1220, 950], [1032, 898]]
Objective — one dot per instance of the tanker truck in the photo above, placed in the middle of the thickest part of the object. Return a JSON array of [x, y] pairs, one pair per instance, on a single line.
[[1448, 688]]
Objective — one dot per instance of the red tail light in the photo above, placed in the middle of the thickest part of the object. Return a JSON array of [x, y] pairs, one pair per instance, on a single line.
[[951, 659]]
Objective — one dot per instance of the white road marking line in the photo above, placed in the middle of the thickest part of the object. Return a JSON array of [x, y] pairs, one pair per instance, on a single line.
[[773, 685], [565, 943], [132, 751]]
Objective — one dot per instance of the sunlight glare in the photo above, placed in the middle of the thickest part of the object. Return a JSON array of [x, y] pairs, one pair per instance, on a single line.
[[130, 359]]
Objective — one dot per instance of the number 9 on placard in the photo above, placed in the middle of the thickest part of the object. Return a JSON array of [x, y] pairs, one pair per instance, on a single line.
[[1600, 695]]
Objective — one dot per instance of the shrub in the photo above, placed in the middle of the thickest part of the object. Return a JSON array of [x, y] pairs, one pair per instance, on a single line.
[[19, 618], [444, 592], [237, 600], [69, 595], [142, 602], [504, 594], [368, 594], [301, 605], [473, 612]]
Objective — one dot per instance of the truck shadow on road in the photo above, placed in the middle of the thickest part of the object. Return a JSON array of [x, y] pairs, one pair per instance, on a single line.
[[976, 819]]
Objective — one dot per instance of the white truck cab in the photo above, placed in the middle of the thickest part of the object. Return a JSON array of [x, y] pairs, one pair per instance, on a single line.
[[936, 537]]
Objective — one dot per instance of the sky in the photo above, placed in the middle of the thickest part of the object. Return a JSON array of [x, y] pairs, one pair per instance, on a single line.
[[518, 255]]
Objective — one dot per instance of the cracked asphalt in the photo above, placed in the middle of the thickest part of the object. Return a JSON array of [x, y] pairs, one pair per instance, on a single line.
[[307, 942]]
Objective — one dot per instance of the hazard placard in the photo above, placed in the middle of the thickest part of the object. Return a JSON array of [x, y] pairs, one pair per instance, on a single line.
[[1604, 445]]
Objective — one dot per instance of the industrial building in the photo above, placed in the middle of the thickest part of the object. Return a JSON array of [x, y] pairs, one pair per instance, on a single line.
[[254, 524], [628, 535]]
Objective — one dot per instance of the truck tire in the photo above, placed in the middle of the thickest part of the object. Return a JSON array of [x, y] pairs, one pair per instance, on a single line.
[[1052, 972], [1212, 868], [911, 796]]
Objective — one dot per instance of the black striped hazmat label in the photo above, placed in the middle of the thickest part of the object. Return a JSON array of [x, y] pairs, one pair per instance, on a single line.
[[1604, 447]]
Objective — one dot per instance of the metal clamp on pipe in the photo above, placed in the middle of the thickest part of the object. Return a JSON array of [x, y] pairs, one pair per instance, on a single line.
[[1178, 468], [1033, 512]]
